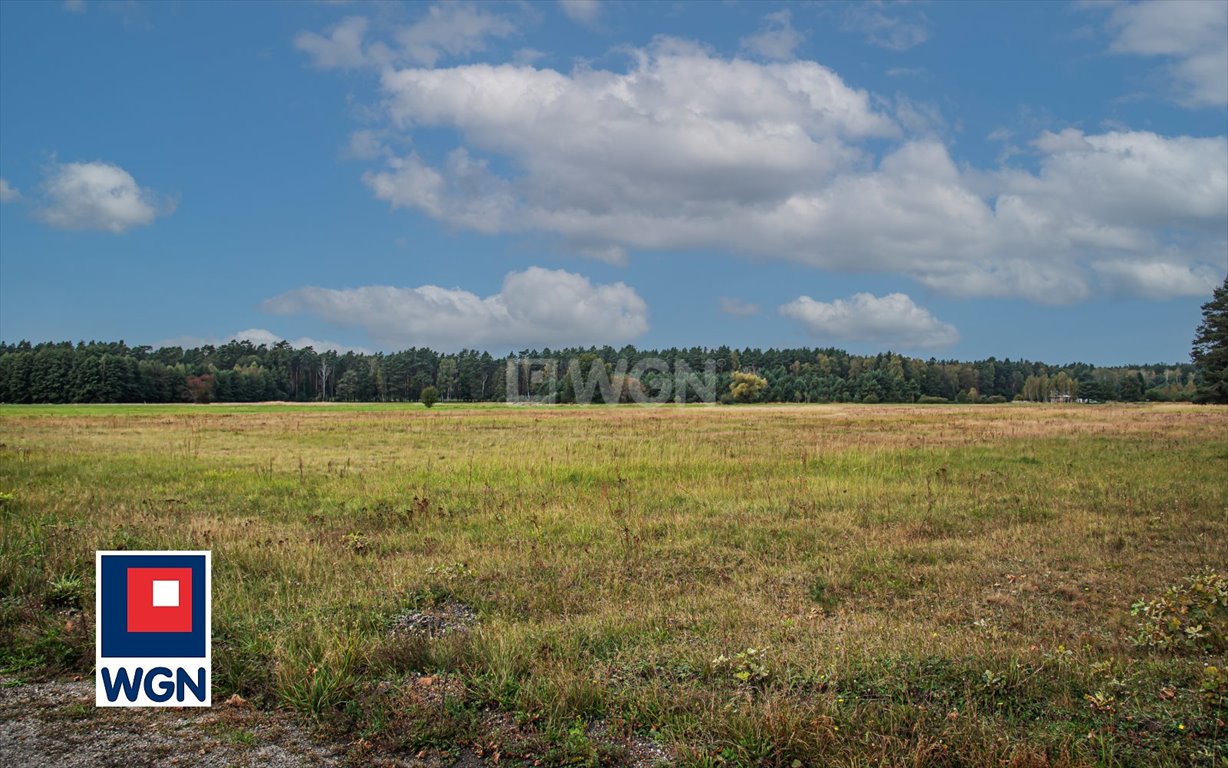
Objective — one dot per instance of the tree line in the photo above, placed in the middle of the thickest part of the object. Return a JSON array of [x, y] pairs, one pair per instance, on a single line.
[[239, 371]]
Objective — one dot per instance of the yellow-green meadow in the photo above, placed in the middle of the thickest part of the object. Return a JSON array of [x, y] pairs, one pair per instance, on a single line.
[[771, 585]]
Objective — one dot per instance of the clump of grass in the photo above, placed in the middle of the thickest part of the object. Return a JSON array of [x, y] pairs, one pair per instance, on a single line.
[[47, 645], [66, 591], [822, 594], [320, 679], [244, 659], [315, 690]]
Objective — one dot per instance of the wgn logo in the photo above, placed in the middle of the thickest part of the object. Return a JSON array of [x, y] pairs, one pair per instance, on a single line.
[[152, 638]]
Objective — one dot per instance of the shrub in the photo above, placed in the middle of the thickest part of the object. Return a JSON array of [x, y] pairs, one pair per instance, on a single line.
[[1192, 615], [931, 400], [430, 396]]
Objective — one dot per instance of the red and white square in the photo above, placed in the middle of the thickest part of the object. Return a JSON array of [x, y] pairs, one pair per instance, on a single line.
[[159, 599]]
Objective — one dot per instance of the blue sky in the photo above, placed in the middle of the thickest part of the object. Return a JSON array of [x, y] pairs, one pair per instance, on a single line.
[[1033, 180]]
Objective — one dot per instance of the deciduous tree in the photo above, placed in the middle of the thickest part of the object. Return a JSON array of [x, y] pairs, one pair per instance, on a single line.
[[746, 387]]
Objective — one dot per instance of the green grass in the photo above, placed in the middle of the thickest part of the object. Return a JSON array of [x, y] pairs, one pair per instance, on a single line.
[[221, 409], [921, 585]]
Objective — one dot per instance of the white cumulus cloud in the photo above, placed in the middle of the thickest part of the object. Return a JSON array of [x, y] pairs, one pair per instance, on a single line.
[[446, 30], [897, 28], [342, 48], [365, 144], [1191, 34], [98, 196], [776, 38], [680, 139], [1158, 279], [8, 193], [684, 150], [451, 29], [735, 306], [536, 307], [260, 336], [581, 11], [892, 319]]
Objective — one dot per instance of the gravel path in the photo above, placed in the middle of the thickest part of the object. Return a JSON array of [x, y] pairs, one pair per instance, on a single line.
[[56, 725]]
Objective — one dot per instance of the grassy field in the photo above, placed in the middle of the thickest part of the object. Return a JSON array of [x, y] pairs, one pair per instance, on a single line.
[[810, 585]]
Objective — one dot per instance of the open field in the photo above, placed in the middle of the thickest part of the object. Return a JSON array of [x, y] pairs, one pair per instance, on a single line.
[[811, 585]]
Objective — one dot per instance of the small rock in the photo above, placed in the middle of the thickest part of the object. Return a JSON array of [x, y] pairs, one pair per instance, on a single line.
[[451, 616]]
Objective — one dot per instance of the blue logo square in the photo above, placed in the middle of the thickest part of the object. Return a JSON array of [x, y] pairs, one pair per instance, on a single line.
[[117, 641]]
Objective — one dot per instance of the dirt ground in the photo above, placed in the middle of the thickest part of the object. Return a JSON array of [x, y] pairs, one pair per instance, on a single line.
[[56, 725]]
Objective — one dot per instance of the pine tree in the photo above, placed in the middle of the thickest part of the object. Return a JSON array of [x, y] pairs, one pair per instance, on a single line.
[[1210, 351]]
